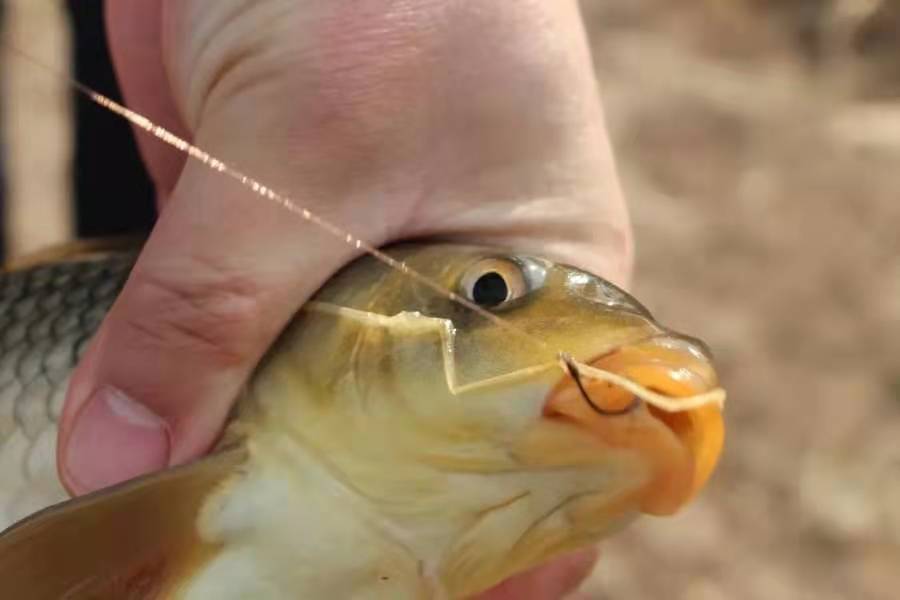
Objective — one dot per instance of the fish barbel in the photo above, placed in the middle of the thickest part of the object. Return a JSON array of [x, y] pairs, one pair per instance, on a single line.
[[391, 444]]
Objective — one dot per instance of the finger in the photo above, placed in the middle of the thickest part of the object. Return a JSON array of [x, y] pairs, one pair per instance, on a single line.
[[135, 33], [214, 285], [224, 270], [550, 582], [220, 275]]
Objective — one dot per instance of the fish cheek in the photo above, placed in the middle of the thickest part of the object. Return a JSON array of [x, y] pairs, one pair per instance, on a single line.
[[553, 444]]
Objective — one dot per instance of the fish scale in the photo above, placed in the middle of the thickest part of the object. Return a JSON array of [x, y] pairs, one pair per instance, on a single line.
[[48, 313]]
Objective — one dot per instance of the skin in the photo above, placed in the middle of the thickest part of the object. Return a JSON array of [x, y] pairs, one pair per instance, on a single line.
[[476, 122]]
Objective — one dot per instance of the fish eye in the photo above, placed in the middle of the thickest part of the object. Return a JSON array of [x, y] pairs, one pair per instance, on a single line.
[[492, 282]]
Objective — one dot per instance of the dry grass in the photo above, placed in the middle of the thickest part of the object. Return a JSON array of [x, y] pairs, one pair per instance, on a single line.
[[760, 149]]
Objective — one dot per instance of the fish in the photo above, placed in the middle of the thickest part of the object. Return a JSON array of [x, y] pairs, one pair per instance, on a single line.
[[391, 443]]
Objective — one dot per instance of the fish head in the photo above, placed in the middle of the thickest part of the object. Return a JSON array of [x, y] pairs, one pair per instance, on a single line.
[[431, 407], [515, 379]]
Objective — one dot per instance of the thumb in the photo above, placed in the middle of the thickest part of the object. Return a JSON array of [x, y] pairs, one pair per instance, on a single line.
[[223, 269], [213, 286]]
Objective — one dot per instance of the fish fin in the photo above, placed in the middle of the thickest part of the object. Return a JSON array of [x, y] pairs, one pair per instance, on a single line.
[[84, 249], [137, 540]]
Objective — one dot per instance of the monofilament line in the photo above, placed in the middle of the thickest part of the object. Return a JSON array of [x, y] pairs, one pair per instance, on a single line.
[[715, 396], [285, 201]]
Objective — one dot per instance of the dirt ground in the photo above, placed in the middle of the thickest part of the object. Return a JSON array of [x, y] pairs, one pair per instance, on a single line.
[[759, 146]]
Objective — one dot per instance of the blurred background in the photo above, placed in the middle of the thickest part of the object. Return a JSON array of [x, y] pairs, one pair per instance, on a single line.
[[759, 147]]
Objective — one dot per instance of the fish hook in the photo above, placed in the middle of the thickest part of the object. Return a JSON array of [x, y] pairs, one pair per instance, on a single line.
[[572, 369]]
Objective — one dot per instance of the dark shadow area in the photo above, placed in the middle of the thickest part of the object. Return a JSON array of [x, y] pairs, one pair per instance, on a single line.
[[113, 192]]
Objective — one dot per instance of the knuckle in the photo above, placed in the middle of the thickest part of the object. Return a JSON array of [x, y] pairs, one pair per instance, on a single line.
[[217, 317]]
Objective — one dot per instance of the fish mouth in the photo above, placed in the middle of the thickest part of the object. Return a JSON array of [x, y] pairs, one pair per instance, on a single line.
[[681, 446]]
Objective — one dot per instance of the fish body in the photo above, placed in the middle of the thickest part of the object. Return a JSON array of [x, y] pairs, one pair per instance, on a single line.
[[391, 444], [48, 314]]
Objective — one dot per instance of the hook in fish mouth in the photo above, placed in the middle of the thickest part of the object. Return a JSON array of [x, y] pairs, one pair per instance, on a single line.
[[572, 369]]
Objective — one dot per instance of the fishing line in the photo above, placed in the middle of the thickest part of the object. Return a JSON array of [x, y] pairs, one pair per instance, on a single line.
[[661, 401], [292, 206], [282, 199]]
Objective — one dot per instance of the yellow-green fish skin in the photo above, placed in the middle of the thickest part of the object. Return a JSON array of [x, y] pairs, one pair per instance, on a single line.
[[393, 443]]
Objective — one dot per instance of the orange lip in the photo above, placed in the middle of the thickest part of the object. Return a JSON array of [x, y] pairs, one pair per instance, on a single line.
[[682, 447]]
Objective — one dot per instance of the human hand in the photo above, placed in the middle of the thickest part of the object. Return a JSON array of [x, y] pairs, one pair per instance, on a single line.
[[473, 121]]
